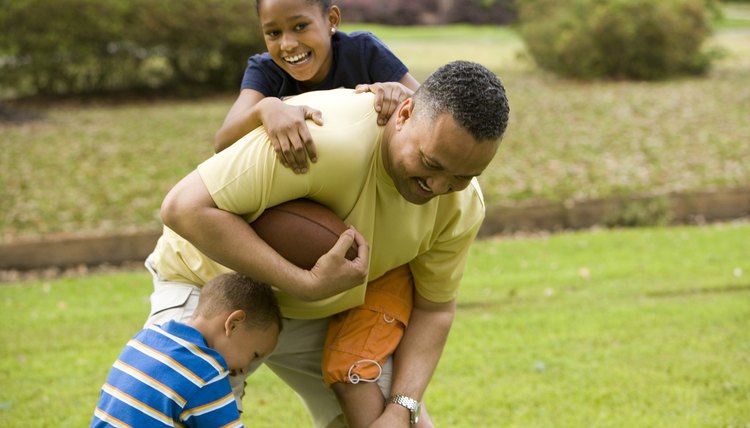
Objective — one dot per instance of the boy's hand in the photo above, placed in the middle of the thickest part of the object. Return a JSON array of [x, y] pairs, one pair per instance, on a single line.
[[287, 129], [388, 96]]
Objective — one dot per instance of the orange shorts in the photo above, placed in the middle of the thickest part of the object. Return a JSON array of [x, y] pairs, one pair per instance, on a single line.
[[370, 332]]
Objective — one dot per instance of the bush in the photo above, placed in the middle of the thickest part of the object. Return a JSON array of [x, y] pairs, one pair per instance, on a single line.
[[410, 12], [66, 47], [633, 39]]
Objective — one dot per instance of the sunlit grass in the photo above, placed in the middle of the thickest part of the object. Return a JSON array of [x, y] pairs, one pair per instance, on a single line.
[[630, 328], [106, 167]]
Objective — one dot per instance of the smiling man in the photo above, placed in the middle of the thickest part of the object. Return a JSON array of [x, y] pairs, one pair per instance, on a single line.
[[409, 189]]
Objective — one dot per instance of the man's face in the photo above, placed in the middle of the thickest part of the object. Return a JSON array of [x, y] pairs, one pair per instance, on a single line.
[[427, 158]]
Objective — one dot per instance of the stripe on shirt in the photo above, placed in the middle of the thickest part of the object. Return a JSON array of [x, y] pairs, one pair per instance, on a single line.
[[150, 381], [209, 407], [190, 347], [167, 360], [136, 404], [106, 417]]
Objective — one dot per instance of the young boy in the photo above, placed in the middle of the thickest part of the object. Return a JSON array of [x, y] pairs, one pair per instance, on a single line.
[[177, 374]]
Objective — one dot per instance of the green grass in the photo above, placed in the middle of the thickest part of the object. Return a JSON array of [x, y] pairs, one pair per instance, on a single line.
[[627, 328], [103, 167]]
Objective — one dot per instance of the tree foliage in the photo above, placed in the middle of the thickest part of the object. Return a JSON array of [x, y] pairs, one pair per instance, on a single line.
[[410, 12], [632, 39], [66, 47]]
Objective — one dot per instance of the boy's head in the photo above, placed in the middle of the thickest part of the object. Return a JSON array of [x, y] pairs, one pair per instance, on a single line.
[[298, 35], [239, 318]]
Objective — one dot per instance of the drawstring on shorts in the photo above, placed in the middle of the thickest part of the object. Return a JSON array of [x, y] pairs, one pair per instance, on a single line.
[[354, 378]]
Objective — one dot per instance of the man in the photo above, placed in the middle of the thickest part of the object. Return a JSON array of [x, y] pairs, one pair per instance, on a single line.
[[408, 188]]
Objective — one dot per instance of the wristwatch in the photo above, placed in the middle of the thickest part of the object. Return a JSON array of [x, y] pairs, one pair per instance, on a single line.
[[409, 403]]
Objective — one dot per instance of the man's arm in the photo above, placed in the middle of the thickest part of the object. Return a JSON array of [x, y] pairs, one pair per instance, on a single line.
[[417, 356], [189, 210]]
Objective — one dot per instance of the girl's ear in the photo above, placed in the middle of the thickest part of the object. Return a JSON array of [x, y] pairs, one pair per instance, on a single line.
[[334, 16], [233, 321]]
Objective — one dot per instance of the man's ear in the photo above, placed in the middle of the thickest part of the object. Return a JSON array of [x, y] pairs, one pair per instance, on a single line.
[[405, 112], [233, 321]]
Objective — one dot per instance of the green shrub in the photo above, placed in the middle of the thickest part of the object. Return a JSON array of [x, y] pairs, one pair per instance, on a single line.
[[632, 39], [65, 47]]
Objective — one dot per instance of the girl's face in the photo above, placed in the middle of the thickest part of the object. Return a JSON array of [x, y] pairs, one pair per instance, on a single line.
[[298, 37]]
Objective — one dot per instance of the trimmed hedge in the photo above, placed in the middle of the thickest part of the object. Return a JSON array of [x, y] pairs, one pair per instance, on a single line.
[[74, 47], [410, 12], [631, 39]]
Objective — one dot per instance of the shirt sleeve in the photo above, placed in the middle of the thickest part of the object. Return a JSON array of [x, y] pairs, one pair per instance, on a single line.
[[262, 75], [213, 405], [438, 272], [383, 64]]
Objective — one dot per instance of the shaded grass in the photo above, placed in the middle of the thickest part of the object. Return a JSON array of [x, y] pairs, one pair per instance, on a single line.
[[106, 167], [624, 328]]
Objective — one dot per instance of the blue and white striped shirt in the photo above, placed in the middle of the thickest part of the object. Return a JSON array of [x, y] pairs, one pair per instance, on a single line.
[[167, 377]]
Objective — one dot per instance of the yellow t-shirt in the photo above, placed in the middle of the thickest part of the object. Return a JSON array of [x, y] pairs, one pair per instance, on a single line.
[[350, 179]]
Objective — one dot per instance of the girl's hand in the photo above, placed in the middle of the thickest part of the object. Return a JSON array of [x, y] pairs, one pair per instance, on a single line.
[[287, 129], [388, 96]]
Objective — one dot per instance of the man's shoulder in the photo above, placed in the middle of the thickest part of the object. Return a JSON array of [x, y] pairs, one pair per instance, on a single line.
[[339, 106], [468, 204]]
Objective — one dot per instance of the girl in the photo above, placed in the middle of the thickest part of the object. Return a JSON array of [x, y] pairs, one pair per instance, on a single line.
[[306, 52]]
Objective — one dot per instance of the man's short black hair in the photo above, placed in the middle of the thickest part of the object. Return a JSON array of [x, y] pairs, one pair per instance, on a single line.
[[471, 93]]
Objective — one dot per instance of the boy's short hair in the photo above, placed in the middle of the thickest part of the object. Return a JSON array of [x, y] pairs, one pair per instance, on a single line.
[[234, 291]]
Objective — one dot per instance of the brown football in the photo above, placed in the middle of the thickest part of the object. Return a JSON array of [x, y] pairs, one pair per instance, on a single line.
[[301, 231]]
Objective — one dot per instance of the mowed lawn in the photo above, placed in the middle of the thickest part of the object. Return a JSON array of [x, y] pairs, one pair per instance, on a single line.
[[105, 166], [623, 328]]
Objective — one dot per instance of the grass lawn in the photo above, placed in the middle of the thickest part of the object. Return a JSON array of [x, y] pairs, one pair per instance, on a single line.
[[103, 167], [625, 328]]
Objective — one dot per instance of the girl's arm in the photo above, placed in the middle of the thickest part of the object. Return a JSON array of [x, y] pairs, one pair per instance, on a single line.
[[389, 95], [284, 123], [242, 118]]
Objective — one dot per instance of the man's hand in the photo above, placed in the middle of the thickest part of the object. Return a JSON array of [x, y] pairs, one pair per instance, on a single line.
[[334, 273], [388, 96], [394, 416], [287, 129]]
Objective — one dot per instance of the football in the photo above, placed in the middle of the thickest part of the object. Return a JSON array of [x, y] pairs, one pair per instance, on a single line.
[[301, 231]]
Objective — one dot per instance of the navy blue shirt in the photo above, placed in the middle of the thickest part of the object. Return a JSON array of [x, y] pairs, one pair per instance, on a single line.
[[359, 57]]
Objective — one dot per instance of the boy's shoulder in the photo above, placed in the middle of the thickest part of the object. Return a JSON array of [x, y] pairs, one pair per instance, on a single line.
[[186, 345]]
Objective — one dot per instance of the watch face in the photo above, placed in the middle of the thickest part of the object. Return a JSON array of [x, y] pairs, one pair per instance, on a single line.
[[413, 405]]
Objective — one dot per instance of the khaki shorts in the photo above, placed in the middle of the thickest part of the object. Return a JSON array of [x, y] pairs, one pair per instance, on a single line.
[[360, 340]]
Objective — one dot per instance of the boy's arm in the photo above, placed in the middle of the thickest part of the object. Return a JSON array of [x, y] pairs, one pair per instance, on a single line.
[[210, 406], [227, 238]]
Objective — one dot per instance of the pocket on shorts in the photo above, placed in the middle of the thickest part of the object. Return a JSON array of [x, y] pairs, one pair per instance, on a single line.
[[169, 296]]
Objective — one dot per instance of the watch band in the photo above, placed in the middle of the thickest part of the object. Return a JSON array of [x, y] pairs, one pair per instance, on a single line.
[[411, 404]]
